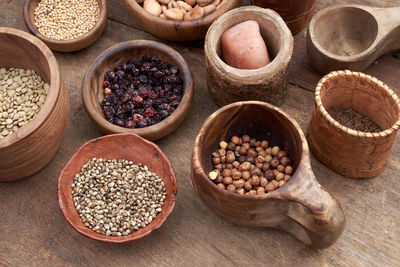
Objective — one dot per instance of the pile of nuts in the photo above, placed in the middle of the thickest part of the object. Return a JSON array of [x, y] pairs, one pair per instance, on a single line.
[[22, 93], [66, 19], [116, 197], [181, 10], [251, 167]]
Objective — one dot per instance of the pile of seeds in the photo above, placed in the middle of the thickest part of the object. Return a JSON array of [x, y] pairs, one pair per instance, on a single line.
[[142, 92], [248, 166], [66, 19], [22, 93], [354, 120], [116, 197]]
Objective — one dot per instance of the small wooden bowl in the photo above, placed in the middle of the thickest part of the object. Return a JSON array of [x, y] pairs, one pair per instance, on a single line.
[[92, 87], [66, 45], [118, 146], [30, 148], [176, 30], [301, 207], [269, 84], [349, 152]]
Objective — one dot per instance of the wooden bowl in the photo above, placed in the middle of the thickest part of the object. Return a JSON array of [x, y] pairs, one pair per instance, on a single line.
[[30, 148], [269, 84], [176, 30], [349, 152], [296, 13], [92, 87], [301, 207], [66, 45], [118, 146]]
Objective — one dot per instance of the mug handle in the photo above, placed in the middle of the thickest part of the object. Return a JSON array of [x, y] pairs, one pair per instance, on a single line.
[[315, 218]]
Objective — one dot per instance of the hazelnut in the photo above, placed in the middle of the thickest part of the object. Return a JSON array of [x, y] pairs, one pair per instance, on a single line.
[[285, 161], [240, 191], [256, 171], [231, 188], [248, 186], [236, 174], [270, 187], [259, 165], [253, 141], [263, 181], [240, 142], [275, 150], [227, 180], [251, 152], [235, 140], [268, 150], [280, 176], [231, 146], [274, 162], [246, 175], [213, 174], [230, 157], [245, 166], [222, 152], [218, 167], [255, 180], [221, 185], [216, 154], [242, 159], [259, 159], [282, 183], [262, 153], [223, 159], [252, 192], [264, 144], [223, 145], [239, 183], [228, 166], [258, 143], [288, 170], [246, 145], [280, 168], [235, 164], [220, 179], [260, 191], [275, 182], [269, 174], [250, 159], [237, 148], [246, 138], [227, 172], [276, 172], [265, 166], [216, 160], [259, 149], [281, 154], [268, 158], [243, 151], [287, 178]]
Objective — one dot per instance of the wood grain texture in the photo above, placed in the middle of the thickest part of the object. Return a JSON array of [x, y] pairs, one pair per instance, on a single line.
[[33, 231]]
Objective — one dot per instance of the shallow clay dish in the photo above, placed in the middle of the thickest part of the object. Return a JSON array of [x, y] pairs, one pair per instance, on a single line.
[[227, 84], [349, 152], [92, 86], [66, 45], [301, 207], [176, 30], [26, 151], [118, 146]]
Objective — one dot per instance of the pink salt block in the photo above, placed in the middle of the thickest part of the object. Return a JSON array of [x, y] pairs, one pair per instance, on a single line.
[[243, 46]]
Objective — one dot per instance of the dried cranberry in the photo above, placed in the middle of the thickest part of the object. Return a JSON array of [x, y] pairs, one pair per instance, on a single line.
[[149, 112], [130, 124], [138, 100], [137, 117]]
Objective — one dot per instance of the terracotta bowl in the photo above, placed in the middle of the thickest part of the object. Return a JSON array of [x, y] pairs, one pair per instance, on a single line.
[[301, 207], [92, 87], [227, 84], [349, 152], [176, 30], [67, 45], [30, 148], [118, 146]]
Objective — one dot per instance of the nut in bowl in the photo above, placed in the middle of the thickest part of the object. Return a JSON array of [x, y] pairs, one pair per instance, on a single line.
[[299, 206], [120, 169], [141, 87]]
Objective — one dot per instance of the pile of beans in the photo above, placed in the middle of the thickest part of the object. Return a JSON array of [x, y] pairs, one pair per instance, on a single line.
[[248, 166], [181, 10]]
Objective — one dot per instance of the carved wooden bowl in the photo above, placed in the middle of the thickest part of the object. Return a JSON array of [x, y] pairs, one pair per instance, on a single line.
[[92, 87], [349, 152], [118, 146], [28, 150], [269, 84], [301, 207], [66, 45], [176, 30]]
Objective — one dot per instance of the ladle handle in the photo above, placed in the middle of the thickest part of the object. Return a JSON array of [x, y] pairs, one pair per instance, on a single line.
[[389, 22], [319, 218]]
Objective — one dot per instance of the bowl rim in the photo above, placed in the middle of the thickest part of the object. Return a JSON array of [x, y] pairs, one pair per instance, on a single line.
[[55, 84], [304, 161], [83, 38], [116, 239], [281, 59], [179, 112], [347, 74]]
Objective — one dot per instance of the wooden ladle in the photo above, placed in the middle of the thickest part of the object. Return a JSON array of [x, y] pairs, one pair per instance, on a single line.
[[352, 36]]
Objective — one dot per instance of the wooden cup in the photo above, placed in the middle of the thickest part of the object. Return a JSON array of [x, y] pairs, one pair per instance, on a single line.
[[346, 151], [301, 207], [227, 84], [26, 151]]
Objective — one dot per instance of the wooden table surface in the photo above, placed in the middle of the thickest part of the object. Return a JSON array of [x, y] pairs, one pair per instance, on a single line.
[[33, 230]]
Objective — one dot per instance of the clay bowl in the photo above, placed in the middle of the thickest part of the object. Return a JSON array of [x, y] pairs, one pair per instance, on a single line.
[[269, 84], [296, 13], [118, 146], [28, 150], [301, 207], [92, 87], [352, 36], [66, 45], [177, 30], [349, 152]]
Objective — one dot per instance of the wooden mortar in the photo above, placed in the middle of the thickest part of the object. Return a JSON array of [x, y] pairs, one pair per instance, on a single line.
[[227, 84], [348, 152]]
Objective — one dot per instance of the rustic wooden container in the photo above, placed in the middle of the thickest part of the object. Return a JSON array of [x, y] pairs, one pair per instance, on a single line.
[[30, 148], [296, 13], [301, 207], [352, 153], [227, 84], [118, 146], [177, 30]]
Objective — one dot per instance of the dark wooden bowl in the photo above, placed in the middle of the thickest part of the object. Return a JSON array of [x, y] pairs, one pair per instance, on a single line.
[[301, 207], [30, 148], [92, 87], [176, 30], [118, 146], [67, 45], [227, 84]]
